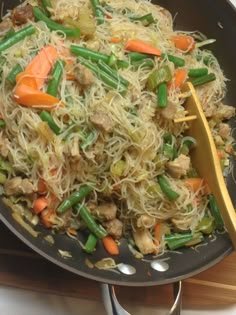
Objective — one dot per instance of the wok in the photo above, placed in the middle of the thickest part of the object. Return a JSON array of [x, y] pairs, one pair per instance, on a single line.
[[216, 19]]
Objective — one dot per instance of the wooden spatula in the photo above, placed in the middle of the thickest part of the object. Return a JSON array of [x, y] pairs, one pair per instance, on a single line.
[[205, 160]]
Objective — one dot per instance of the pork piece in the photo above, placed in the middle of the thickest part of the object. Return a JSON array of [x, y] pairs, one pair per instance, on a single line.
[[83, 75], [179, 166], [21, 15], [102, 120], [225, 111], [143, 241], [106, 211], [145, 221], [169, 111], [224, 130], [5, 26], [4, 145], [114, 228], [18, 186]]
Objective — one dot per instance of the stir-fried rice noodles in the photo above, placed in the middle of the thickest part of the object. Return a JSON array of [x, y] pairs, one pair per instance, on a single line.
[[123, 145]]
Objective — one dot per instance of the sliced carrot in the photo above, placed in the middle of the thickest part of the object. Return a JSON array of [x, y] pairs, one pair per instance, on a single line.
[[183, 42], [180, 76], [70, 77], [39, 67], [115, 40], [142, 47], [194, 183], [40, 204], [46, 216], [110, 245], [42, 188], [30, 97], [72, 231], [157, 232]]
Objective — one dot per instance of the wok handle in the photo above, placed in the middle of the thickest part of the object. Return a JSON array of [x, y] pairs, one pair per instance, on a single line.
[[113, 307]]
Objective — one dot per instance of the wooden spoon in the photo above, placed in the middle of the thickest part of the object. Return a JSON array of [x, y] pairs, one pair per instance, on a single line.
[[205, 160]]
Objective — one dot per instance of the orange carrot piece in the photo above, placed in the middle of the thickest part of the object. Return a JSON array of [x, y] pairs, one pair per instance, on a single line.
[[180, 77], [183, 42], [72, 231], [70, 77], [194, 184], [157, 232], [28, 96], [142, 47], [46, 216], [40, 204], [115, 40], [42, 188], [38, 69], [110, 245]]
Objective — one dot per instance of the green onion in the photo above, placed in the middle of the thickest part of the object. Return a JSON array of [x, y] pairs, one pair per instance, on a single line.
[[47, 4], [206, 225], [45, 116], [159, 76], [166, 189], [2, 124], [198, 72], [178, 240], [204, 79], [91, 224], [162, 95], [88, 140]]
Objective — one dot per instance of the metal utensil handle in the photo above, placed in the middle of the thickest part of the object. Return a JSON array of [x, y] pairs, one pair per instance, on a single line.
[[113, 307]]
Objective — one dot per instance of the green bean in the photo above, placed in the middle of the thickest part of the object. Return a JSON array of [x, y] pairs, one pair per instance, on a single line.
[[148, 63], [89, 54], [90, 243], [97, 11], [53, 26], [162, 95], [74, 198], [103, 66], [11, 77], [169, 150], [10, 33], [204, 79], [16, 37], [45, 116], [91, 224], [207, 59], [2, 124], [47, 4], [121, 64], [165, 187], [198, 72], [177, 61], [215, 211], [108, 80], [146, 19], [56, 77], [136, 56]]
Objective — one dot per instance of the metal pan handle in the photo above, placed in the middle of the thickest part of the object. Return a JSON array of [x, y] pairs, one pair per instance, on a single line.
[[113, 307]]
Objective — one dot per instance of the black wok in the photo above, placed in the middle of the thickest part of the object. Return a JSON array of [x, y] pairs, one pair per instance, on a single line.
[[205, 16]]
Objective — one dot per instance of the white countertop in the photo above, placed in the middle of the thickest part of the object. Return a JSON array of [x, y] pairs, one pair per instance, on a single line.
[[22, 302]]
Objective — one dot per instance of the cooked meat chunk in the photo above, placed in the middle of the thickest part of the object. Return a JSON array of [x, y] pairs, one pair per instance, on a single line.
[[4, 145], [143, 240], [169, 111], [225, 111], [179, 166], [5, 26], [114, 228], [21, 15], [102, 120], [145, 221], [224, 130], [17, 186], [83, 75], [209, 110], [106, 211]]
